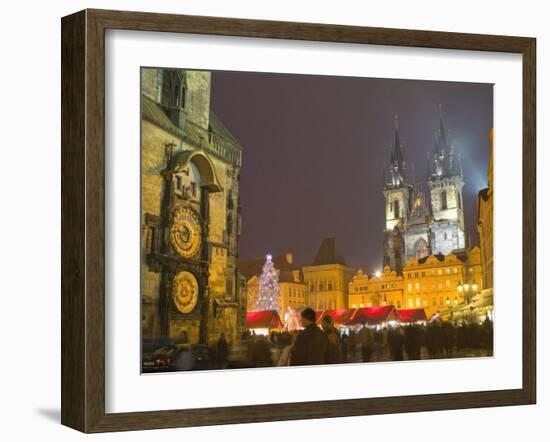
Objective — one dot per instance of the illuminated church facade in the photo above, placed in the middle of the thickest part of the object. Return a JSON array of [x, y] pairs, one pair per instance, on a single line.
[[419, 225]]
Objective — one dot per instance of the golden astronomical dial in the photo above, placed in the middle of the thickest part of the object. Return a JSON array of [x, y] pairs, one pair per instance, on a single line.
[[185, 292], [185, 232]]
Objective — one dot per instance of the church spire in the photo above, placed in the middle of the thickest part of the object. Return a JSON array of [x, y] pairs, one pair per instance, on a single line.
[[397, 158], [444, 163]]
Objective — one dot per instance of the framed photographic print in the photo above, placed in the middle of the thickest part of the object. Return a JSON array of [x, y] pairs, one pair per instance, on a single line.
[[270, 221]]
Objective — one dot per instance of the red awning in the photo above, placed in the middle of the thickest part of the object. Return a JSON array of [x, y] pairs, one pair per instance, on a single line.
[[263, 319], [374, 315], [340, 317], [412, 315]]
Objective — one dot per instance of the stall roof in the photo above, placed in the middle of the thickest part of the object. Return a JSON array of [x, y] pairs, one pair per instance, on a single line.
[[341, 316], [412, 315], [374, 315], [263, 319]]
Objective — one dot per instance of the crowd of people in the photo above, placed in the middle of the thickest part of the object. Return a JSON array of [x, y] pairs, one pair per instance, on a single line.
[[325, 344]]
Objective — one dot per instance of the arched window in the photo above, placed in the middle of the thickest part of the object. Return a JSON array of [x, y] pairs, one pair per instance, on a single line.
[[444, 200], [329, 285], [396, 208], [459, 199], [420, 248]]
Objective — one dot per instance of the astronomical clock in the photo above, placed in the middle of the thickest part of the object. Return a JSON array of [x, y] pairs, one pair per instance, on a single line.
[[184, 252]]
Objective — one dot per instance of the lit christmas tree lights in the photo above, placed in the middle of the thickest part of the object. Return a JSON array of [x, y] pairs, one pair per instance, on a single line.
[[268, 291]]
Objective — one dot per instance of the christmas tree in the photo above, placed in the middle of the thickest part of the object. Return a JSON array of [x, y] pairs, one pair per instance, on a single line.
[[268, 291]]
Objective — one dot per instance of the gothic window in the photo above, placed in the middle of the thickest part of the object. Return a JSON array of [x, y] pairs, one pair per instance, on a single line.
[[459, 200], [396, 208], [444, 200]]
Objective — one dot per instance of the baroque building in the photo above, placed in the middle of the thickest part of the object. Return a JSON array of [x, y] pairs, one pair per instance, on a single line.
[[292, 288], [380, 289], [190, 212], [417, 226], [327, 278], [433, 283]]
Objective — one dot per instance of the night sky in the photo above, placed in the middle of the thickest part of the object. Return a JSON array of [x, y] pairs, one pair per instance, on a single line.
[[314, 149]]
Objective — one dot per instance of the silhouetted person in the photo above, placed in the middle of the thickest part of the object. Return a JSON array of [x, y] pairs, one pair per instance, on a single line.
[[223, 350], [259, 352], [395, 341], [367, 344], [310, 347], [413, 341], [334, 351]]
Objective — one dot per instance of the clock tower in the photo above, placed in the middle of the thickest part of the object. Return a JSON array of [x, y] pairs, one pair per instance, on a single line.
[[191, 214]]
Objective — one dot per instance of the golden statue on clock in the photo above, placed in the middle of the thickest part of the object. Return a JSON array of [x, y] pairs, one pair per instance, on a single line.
[[185, 232], [185, 292]]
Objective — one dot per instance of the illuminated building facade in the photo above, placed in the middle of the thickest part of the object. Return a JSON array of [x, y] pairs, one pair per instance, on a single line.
[[433, 283], [327, 278], [380, 289]]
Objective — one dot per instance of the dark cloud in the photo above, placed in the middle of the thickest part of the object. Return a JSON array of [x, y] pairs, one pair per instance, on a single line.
[[314, 148]]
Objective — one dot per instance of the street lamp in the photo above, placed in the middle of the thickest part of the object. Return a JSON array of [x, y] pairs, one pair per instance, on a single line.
[[468, 290]]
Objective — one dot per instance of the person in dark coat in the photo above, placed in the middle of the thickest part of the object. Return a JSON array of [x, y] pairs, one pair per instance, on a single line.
[[310, 347], [223, 351], [334, 351], [413, 342], [396, 341], [366, 340]]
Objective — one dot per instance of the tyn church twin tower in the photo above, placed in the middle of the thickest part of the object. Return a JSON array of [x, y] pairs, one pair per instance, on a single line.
[[416, 228]]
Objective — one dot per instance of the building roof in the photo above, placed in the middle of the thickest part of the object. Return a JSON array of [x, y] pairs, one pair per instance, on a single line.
[[263, 319], [254, 267], [218, 127], [328, 253], [153, 112]]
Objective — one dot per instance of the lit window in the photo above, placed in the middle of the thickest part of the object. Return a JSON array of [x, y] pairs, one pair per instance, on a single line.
[[439, 271], [410, 287], [417, 286], [418, 302], [410, 302], [448, 284], [354, 306], [447, 271]]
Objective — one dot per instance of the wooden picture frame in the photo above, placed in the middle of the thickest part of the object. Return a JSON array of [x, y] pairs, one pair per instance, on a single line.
[[83, 220]]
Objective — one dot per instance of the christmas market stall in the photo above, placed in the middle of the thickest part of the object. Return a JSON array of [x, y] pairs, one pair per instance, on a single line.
[[263, 321], [374, 316], [412, 316], [340, 317]]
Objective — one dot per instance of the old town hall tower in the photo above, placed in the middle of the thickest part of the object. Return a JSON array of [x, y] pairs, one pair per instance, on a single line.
[[415, 227]]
